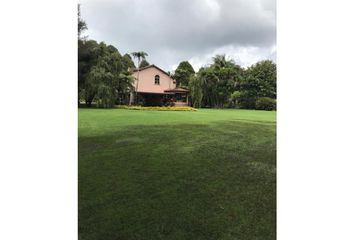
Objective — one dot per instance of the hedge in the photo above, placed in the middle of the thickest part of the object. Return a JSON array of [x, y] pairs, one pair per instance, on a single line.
[[266, 103]]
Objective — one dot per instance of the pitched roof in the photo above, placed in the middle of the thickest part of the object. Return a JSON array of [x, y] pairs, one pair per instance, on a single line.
[[149, 66]]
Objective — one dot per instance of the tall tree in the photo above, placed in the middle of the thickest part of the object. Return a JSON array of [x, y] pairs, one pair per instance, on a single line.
[[139, 55], [259, 82], [196, 90], [144, 63], [218, 81], [182, 74], [81, 23], [103, 74], [82, 53], [107, 82], [220, 61], [107, 78], [266, 73], [128, 62], [87, 58]]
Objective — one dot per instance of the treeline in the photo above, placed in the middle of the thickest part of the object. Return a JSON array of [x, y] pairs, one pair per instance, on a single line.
[[104, 78], [224, 84]]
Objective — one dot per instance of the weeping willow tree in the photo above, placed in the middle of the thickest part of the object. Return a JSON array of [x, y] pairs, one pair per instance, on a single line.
[[108, 79]]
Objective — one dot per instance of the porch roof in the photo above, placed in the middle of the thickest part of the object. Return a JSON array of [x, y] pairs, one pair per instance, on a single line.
[[177, 90], [160, 93]]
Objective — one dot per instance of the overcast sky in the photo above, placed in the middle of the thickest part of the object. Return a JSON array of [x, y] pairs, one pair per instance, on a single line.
[[171, 31]]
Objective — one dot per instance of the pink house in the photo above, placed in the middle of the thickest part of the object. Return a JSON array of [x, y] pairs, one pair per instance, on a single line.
[[155, 87]]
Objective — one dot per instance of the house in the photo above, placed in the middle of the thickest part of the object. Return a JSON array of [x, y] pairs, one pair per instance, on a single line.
[[155, 87]]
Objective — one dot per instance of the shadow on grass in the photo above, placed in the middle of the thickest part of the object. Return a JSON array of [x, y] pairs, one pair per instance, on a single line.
[[179, 182]]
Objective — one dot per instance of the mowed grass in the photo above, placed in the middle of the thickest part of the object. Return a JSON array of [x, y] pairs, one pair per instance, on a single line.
[[209, 174]]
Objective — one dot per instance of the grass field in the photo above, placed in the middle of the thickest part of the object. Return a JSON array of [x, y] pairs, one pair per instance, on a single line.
[[209, 174]]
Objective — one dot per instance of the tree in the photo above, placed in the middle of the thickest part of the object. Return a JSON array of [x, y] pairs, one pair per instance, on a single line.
[[259, 81], [144, 63], [220, 61], [128, 62], [235, 98], [107, 82], [81, 23], [266, 74], [103, 82], [103, 73], [139, 56], [183, 73], [208, 81], [196, 91], [218, 81], [249, 92], [125, 86], [84, 60], [87, 58]]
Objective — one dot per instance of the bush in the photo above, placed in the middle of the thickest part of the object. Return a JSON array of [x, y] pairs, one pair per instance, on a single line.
[[247, 100], [266, 103], [168, 103], [156, 108]]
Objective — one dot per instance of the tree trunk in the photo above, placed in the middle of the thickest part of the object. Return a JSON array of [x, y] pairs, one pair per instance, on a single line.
[[137, 83], [88, 101]]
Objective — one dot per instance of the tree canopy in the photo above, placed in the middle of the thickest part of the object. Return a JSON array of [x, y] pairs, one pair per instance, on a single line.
[[128, 62], [217, 82], [140, 56], [81, 23], [260, 81], [107, 80], [182, 74]]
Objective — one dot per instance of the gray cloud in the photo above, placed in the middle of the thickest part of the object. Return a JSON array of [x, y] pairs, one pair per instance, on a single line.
[[171, 31]]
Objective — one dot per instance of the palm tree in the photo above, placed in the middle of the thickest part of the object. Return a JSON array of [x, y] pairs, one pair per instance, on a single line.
[[139, 55], [220, 61]]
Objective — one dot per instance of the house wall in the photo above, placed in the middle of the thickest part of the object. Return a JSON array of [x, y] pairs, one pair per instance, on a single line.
[[147, 81]]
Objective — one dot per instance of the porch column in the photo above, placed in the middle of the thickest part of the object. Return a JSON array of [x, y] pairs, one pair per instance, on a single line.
[[131, 99]]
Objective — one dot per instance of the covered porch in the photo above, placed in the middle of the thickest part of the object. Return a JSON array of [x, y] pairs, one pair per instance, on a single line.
[[173, 97], [179, 96]]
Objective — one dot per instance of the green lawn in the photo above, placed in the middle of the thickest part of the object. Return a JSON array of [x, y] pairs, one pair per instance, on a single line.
[[209, 174]]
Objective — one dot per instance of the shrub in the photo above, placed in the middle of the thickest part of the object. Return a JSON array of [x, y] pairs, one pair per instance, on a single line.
[[168, 103], [247, 100], [234, 100], [156, 108], [266, 103]]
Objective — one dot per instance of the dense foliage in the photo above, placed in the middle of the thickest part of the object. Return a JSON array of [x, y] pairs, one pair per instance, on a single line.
[[103, 74], [265, 103], [182, 74], [259, 81], [225, 84], [128, 61]]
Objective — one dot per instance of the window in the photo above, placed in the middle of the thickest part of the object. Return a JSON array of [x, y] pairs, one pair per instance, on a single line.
[[157, 80]]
